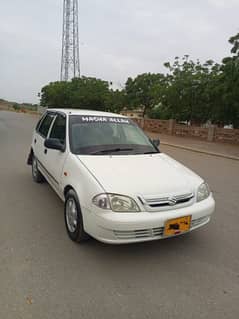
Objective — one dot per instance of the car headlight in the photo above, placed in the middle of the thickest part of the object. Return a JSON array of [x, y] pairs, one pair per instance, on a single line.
[[203, 192], [117, 203]]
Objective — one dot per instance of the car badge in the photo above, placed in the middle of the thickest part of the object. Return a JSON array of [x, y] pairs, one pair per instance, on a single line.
[[172, 201]]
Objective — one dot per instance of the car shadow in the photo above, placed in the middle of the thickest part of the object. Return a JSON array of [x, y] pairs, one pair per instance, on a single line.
[[168, 247]]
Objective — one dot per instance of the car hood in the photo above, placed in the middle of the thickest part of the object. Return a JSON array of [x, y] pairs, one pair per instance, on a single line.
[[141, 174]]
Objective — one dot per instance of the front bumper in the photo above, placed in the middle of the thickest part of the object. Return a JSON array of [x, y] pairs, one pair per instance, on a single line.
[[122, 228]]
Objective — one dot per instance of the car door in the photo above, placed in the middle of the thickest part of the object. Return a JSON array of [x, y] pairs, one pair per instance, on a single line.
[[55, 158], [40, 135]]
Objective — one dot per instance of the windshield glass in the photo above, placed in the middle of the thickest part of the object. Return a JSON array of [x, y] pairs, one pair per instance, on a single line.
[[97, 135]]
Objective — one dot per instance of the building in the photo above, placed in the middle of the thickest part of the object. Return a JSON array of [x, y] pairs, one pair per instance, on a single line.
[[136, 113]]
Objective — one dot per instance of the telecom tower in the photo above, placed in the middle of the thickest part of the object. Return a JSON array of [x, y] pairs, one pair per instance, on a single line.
[[70, 61]]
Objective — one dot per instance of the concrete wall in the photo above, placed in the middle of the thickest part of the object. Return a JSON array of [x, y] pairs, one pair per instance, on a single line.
[[211, 134]]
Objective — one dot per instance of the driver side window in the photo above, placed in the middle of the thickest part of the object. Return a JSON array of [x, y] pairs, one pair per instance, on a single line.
[[59, 129]]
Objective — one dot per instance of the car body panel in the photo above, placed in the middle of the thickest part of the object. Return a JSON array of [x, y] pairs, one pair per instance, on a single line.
[[118, 228], [137, 176], [141, 174]]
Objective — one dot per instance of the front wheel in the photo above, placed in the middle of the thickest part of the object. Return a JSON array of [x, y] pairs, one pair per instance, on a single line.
[[73, 218], [36, 174]]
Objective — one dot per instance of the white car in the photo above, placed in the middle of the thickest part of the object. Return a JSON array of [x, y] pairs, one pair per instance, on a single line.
[[116, 184]]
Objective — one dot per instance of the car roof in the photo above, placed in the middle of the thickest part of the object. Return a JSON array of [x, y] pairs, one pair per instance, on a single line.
[[84, 112]]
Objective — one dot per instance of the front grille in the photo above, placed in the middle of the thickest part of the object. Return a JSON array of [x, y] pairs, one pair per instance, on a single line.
[[141, 233], [169, 200], [153, 232], [199, 221]]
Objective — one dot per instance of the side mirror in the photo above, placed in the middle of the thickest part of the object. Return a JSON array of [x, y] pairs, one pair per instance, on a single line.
[[156, 142], [54, 144]]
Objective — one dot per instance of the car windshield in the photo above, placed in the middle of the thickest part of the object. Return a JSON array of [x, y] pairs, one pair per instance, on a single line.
[[102, 135]]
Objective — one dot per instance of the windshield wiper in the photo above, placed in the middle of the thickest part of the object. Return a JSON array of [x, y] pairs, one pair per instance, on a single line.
[[116, 149], [151, 152]]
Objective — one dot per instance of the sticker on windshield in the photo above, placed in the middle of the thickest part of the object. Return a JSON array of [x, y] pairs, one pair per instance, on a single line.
[[103, 119]]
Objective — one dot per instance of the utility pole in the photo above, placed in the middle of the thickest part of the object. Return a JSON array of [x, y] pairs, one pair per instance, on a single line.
[[70, 60]]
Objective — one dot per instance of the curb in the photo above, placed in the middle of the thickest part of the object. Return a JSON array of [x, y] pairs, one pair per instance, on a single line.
[[235, 158]]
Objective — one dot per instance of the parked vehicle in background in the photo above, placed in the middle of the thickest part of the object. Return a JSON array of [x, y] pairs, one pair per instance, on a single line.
[[116, 184]]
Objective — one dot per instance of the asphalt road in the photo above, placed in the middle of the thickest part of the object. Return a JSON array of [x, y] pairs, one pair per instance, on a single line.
[[45, 275]]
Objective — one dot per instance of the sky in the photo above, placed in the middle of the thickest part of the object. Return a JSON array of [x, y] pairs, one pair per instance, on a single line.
[[118, 39]]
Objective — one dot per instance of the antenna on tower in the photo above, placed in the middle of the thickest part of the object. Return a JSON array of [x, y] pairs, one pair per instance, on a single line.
[[70, 60]]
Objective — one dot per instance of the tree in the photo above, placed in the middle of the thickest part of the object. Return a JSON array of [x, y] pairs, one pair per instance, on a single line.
[[116, 101], [189, 94], [16, 106], [229, 111], [190, 91], [56, 94], [84, 93], [88, 93], [143, 91]]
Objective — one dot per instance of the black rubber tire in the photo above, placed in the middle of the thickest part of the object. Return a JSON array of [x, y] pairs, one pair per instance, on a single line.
[[79, 235], [37, 175]]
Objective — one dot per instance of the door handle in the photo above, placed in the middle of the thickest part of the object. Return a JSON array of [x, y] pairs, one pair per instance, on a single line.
[[45, 151], [35, 141]]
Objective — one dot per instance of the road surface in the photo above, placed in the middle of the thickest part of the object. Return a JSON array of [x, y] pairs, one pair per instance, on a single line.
[[45, 275]]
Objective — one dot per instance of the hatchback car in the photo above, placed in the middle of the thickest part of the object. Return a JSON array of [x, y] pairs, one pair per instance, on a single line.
[[116, 184]]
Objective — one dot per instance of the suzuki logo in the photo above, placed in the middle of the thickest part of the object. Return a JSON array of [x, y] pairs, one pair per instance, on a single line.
[[172, 201]]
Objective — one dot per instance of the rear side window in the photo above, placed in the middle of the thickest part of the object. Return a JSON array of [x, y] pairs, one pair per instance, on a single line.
[[59, 129], [45, 124]]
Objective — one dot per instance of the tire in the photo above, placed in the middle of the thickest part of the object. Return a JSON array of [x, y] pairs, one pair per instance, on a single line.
[[36, 174], [73, 218]]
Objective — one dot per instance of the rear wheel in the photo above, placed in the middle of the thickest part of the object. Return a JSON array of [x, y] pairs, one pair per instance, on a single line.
[[73, 218], [36, 174]]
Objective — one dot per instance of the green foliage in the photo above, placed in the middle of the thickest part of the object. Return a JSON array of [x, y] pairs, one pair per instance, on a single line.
[[115, 101], [143, 91], [56, 94], [189, 94], [229, 86], [24, 106], [16, 106], [84, 93], [234, 40], [190, 91]]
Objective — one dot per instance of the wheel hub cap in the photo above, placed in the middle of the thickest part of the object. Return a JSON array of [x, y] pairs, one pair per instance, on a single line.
[[71, 215], [34, 167]]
